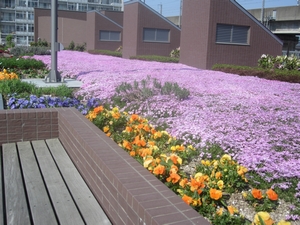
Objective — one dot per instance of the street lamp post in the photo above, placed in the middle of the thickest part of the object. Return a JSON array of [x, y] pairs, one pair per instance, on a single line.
[[54, 75]]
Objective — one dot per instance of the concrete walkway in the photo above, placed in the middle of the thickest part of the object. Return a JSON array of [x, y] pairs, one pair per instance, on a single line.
[[41, 83]]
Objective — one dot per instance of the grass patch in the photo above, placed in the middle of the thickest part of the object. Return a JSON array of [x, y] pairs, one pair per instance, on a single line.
[[105, 52], [292, 76], [155, 58]]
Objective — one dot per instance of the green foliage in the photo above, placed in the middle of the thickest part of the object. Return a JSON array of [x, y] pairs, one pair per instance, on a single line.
[[292, 76], [31, 50], [16, 86], [40, 43], [175, 53], [21, 63], [71, 46], [25, 89], [60, 91], [9, 41], [106, 52], [155, 58], [78, 47], [141, 91]]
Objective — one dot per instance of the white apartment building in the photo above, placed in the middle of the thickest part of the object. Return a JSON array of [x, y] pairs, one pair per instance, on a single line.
[[17, 16]]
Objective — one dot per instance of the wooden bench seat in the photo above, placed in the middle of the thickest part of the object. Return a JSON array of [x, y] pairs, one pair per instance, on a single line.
[[41, 185]]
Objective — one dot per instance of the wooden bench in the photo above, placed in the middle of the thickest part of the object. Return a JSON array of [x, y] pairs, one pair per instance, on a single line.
[[41, 185]]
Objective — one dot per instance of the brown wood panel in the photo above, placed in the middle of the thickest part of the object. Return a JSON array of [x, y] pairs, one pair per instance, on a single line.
[[1, 191], [90, 209], [15, 200], [63, 203], [39, 202]]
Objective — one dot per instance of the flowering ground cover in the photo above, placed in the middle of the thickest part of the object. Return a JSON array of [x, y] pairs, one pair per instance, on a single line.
[[256, 121]]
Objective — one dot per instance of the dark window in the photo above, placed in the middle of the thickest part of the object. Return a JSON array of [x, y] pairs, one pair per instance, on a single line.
[[156, 35], [232, 34], [110, 35]]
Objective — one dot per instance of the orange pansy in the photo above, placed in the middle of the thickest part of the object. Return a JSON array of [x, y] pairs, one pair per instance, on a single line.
[[272, 195], [215, 194], [218, 175], [183, 182], [98, 109], [257, 193], [127, 145], [231, 209], [159, 170], [187, 199], [174, 178]]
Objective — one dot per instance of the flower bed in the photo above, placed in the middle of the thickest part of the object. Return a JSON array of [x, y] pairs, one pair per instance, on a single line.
[[247, 116]]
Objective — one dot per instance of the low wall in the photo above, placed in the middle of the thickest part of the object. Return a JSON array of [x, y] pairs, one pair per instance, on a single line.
[[128, 193]]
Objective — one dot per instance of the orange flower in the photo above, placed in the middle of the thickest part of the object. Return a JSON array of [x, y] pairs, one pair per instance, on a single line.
[[231, 209], [116, 115], [128, 129], [196, 184], [174, 178], [175, 159], [127, 145], [159, 170], [151, 143], [187, 199], [146, 128], [105, 129], [272, 195], [140, 126], [134, 117], [218, 175], [157, 134], [108, 134], [173, 169], [132, 153], [215, 194], [98, 109], [144, 152], [257, 193], [137, 141], [183, 182]]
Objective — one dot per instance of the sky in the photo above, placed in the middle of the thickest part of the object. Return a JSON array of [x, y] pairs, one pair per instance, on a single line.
[[172, 7]]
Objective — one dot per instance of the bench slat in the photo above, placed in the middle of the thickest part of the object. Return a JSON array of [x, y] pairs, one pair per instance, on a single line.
[[1, 191], [90, 209], [40, 205], [15, 199], [63, 203]]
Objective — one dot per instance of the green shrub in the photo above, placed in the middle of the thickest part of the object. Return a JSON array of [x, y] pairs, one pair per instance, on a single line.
[[21, 63], [105, 52], [71, 46], [80, 48], [9, 41], [292, 76], [175, 53], [16, 86], [40, 43], [60, 91], [156, 58], [31, 50]]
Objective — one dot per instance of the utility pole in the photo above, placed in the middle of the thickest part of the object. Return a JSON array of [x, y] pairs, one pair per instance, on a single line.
[[180, 14], [160, 8], [262, 11], [54, 75]]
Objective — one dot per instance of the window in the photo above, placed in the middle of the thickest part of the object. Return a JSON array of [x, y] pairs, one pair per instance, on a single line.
[[231, 34], [110, 35], [156, 35]]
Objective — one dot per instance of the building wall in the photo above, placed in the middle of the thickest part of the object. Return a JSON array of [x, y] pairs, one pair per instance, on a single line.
[[115, 16], [71, 26], [79, 27], [101, 23], [138, 16], [206, 52]]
